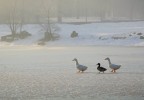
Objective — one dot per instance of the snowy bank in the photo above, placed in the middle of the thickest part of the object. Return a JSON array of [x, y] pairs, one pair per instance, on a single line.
[[121, 33]]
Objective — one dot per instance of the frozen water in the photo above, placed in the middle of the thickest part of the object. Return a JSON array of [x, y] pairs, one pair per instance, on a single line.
[[48, 73]]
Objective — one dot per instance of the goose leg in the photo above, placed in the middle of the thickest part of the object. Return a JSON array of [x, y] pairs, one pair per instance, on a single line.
[[112, 70]]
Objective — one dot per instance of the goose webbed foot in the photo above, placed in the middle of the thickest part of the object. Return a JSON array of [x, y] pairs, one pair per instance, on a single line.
[[78, 71], [113, 71]]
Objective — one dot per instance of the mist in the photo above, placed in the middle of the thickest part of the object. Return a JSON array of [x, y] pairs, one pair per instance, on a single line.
[[100, 10]]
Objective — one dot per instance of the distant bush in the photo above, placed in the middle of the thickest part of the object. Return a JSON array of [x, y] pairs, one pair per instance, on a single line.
[[24, 34], [74, 34], [141, 37], [41, 43], [139, 33], [51, 36], [7, 38], [103, 38], [11, 37], [117, 37]]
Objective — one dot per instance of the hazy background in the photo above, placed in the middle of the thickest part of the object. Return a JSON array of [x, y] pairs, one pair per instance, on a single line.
[[33, 11]]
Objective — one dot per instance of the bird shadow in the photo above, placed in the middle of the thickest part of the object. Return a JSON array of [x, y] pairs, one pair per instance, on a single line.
[[110, 73], [98, 73]]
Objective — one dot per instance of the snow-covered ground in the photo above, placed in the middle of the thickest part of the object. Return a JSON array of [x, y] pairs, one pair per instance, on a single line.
[[89, 34], [48, 73]]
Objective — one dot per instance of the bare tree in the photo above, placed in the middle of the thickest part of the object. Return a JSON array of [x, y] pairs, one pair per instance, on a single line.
[[78, 9], [48, 26], [22, 18], [59, 11], [86, 11], [12, 22], [15, 22]]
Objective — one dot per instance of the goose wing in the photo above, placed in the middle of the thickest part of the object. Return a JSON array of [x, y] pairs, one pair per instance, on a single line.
[[81, 67], [114, 66]]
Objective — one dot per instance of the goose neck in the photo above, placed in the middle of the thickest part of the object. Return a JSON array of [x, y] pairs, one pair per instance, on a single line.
[[77, 62], [109, 61]]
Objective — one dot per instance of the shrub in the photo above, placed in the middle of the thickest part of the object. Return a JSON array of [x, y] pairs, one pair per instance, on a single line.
[[118, 37], [41, 43], [51, 36], [141, 37], [7, 38], [24, 34], [74, 34], [139, 33]]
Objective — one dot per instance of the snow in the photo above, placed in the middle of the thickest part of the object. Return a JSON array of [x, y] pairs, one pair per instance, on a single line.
[[89, 34]]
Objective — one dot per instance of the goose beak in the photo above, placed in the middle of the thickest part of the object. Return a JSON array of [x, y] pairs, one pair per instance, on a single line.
[[106, 58], [74, 59]]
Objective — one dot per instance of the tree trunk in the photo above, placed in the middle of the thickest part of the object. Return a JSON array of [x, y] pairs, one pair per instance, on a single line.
[[59, 12]]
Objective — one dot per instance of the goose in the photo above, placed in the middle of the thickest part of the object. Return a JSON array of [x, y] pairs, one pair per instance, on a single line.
[[101, 69], [114, 67], [80, 67]]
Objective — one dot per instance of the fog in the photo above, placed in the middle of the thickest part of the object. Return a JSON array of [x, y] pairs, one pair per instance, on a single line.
[[34, 10]]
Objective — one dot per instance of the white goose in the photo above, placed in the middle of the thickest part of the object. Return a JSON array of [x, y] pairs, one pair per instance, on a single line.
[[81, 68], [113, 66]]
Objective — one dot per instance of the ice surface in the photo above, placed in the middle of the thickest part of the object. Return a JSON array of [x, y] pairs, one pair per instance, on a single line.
[[48, 73]]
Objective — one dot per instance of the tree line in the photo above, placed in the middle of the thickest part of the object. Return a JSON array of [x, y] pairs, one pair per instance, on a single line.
[[34, 11]]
